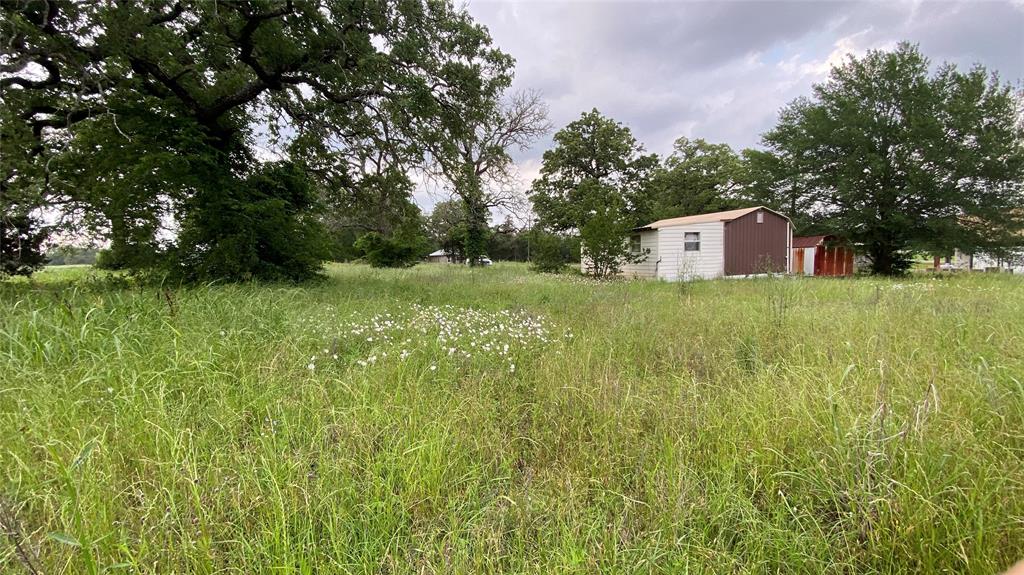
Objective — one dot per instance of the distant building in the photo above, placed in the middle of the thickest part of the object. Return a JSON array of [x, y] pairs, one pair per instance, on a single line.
[[742, 242], [1012, 261], [984, 262], [440, 257]]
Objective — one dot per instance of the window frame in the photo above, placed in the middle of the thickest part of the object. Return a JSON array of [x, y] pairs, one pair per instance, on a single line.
[[639, 244], [691, 239]]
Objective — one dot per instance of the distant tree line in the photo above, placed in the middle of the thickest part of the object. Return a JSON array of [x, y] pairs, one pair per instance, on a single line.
[[887, 153], [72, 255], [445, 229]]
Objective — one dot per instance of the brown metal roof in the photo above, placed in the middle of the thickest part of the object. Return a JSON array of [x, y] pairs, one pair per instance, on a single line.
[[808, 241], [726, 216]]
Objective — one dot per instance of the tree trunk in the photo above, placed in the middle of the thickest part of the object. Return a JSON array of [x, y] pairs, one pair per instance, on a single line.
[[884, 261], [471, 192]]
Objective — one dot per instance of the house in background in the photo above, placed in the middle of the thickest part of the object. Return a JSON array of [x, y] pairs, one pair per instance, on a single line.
[[440, 257], [740, 242], [984, 262], [1012, 260], [821, 256]]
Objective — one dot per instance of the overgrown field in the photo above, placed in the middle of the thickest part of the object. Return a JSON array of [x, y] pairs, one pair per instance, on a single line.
[[446, 420]]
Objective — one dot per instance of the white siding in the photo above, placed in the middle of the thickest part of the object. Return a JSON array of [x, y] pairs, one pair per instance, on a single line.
[[676, 264], [809, 255], [649, 267], [645, 269]]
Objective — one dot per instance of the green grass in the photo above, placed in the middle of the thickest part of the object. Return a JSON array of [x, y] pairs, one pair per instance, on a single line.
[[777, 425]]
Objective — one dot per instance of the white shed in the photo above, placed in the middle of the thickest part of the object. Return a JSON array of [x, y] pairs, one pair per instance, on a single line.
[[440, 257], [736, 242]]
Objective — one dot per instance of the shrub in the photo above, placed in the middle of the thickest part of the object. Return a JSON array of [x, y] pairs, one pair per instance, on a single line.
[[604, 239], [546, 252], [264, 228], [393, 252]]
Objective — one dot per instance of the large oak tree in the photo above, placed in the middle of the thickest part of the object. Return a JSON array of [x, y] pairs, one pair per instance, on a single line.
[[900, 158], [134, 111], [474, 155]]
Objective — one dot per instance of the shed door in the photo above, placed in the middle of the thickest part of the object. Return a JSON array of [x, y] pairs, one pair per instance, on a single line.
[[798, 259]]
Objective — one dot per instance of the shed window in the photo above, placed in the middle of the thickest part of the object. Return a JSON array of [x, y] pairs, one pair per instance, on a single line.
[[760, 217], [634, 244], [691, 242]]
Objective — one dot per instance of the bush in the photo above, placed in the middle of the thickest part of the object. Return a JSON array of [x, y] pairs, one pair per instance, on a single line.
[[393, 252], [264, 228], [546, 253], [604, 239], [122, 255]]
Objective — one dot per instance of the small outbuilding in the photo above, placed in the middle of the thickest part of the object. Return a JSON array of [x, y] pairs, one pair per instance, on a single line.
[[440, 257], [743, 242], [821, 256]]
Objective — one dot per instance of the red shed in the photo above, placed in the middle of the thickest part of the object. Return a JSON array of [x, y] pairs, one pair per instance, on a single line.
[[821, 256]]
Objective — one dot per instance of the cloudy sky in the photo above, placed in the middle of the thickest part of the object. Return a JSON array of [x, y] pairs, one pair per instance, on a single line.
[[721, 70]]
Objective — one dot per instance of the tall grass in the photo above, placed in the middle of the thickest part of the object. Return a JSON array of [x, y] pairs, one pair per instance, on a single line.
[[775, 425]]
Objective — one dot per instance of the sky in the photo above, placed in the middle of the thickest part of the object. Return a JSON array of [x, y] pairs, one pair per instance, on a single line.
[[720, 70]]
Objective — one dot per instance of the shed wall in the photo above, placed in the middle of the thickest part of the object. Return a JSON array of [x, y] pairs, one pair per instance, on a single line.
[[803, 260], [649, 267], [645, 269], [752, 248], [833, 261], [676, 263]]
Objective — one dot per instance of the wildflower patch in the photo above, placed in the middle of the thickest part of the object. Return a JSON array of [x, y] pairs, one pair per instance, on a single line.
[[441, 334]]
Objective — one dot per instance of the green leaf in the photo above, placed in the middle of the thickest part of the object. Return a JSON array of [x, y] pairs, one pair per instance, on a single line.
[[84, 453], [64, 538]]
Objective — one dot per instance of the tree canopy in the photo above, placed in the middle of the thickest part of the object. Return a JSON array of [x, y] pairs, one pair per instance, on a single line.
[[595, 182], [898, 158], [697, 177], [596, 163], [160, 108]]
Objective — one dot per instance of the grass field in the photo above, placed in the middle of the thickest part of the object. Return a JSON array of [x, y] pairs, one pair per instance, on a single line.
[[540, 424]]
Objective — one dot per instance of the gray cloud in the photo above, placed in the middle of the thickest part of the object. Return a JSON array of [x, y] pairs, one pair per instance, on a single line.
[[722, 70]]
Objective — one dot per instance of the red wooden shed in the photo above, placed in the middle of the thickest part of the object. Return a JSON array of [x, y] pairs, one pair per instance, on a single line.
[[821, 256]]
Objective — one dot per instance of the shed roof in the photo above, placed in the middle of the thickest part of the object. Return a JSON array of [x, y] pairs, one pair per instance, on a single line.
[[436, 253], [808, 241], [726, 216]]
